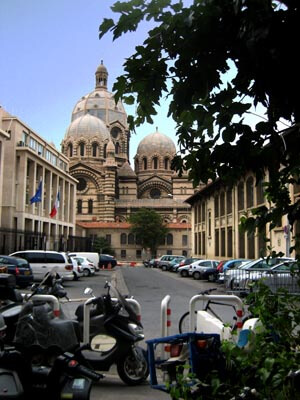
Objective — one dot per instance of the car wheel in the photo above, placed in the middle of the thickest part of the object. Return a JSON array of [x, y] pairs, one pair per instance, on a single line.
[[211, 278], [86, 272], [196, 275], [164, 267], [184, 273]]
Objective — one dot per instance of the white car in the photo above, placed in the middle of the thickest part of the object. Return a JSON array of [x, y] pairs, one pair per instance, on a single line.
[[42, 261], [197, 268], [87, 266]]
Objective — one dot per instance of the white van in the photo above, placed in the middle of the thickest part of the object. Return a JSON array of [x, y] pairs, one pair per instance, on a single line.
[[94, 257], [42, 262]]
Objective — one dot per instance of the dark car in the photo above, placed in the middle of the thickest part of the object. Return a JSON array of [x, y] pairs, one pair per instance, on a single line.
[[20, 268], [107, 261]]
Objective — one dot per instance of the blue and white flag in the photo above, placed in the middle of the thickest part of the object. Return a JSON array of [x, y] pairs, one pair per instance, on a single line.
[[37, 198]]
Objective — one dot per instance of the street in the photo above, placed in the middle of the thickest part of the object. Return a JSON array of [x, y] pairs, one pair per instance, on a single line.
[[149, 287]]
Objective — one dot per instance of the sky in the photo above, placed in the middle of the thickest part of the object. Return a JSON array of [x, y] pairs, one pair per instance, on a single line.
[[50, 51]]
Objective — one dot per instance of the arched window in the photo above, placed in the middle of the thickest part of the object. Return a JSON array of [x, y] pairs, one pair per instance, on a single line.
[[90, 206], [131, 238], [104, 150], [260, 192], [94, 149], [79, 206], [241, 200], [249, 187], [123, 238], [155, 163], [70, 150], [136, 166], [144, 163], [169, 239], [117, 148], [166, 163], [81, 149]]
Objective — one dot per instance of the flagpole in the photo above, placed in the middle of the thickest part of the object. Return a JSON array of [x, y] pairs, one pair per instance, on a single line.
[[40, 222]]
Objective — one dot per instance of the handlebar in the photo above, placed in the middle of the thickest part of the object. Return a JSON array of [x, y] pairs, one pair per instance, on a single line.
[[73, 367]]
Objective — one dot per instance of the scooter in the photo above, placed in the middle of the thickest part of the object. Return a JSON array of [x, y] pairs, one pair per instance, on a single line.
[[110, 331], [35, 369]]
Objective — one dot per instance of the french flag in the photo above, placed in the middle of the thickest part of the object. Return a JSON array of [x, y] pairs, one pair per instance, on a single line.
[[55, 207]]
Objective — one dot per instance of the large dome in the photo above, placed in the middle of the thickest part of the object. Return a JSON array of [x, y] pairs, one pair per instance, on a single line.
[[87, 126], [156, 143], [100, 102]]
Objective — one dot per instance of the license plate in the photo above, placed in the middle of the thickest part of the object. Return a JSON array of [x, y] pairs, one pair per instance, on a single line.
[[27, 273]]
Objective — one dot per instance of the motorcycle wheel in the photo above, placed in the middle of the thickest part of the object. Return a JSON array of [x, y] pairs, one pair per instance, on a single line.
[[133, 369]]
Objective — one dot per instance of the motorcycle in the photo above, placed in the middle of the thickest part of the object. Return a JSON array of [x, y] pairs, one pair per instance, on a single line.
[[109, 328], [110, 331], [49, 375]]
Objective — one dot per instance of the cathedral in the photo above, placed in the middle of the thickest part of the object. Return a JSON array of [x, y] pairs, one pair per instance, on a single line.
[[109, 189]]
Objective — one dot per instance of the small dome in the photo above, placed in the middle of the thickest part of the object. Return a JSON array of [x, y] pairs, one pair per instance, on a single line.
[[87, 126], [156, 143]]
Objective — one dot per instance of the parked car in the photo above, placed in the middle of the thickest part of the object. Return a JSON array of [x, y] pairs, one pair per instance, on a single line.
[[233, 277], [20, 268], [230, 264], [284, 275], [204, 268], [42, 262], [165, 260], [168, 265], [87, 266], [92, 256], [107, 261], [77, 270], [197, 268], [186, 261]]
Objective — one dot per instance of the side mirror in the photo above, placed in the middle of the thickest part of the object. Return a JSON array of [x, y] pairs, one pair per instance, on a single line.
[[88, 291]]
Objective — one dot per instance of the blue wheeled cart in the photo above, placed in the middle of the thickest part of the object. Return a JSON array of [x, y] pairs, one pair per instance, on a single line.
[[166, 355]]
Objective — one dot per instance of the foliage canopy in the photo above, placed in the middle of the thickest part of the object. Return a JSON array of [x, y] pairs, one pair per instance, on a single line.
[[149, 228], [216, 60]]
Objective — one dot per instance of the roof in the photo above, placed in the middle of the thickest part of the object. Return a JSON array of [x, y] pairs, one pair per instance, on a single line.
[[125, 225]]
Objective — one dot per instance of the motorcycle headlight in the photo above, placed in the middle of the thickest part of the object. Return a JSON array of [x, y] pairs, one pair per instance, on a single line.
[[136, 329]]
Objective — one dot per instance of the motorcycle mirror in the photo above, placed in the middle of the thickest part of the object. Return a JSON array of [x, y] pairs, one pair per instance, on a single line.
[[88, 290]]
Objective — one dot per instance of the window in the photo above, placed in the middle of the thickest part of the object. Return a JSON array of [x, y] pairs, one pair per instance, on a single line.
[[123, 253], [217, 242], [81, 149], [222, 204], [81, 185], [166, 163], [145, 163], [217, 213], [203, 212], [90, 206], [241, 196], [108, 239], [169, 239], [223, 242], [115, 132], [138, 254], [123, 238], [94, 149], [209, 223], [249, 188], [79, 206], [55, 258], [131, 238], [229, 201], [260, 192], [155, 163], [184, 240], [70, 150], [104, 150]]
